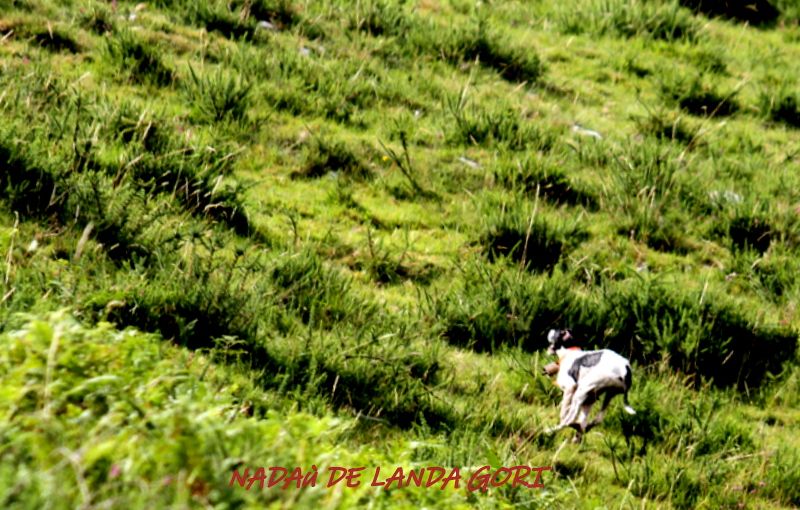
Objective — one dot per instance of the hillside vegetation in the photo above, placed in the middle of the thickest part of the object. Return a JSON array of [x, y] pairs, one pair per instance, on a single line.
[[331, 233]]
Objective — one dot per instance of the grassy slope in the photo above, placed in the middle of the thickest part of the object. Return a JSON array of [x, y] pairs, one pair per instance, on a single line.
[[339, 201]]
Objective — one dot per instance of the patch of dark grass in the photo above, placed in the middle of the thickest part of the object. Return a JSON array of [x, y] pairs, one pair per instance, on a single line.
[[591, 154], [746, 226], [633, 66], [131, 225], [678, 482], [698, 97], [534, 174], [84, 198], [752, 12], [489, 50], [537, 246], [526, 236], [283, 13], [748, 231], [158, 161], [137, 60], [648, 425], [40, 89], [149, 155], [790, 11], [378, 18], [665, 125], [709, 60], [130, 126], [495, 306], [545, 248], [192, 312], [25, 183], [226, 24], [724, 436], [777, 274], [323, 156], [502, 125], [194, 178], [460, 45], [318, 295], [57, 40], [198, 302], [386, 268], [397, 393], [700, 335], [659, 230], [22, 5], [387, 271], [340, 90], [569, 468], [96, 18], [781, 106], [234, 20], [379, 381]]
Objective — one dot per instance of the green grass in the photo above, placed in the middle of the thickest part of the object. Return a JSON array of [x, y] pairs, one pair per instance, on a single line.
[[275, 233]]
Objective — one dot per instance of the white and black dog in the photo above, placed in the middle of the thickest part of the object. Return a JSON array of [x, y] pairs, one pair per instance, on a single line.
[[585, 376]]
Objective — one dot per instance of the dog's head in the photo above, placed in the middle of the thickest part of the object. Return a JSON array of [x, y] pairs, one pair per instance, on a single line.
[[558, 338]]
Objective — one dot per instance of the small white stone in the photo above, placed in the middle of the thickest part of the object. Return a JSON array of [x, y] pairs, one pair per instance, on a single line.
[[469, 162], [578, 129], [266, 25], [725, 196]]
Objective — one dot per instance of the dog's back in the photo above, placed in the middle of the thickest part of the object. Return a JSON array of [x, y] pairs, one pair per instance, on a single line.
[[600, 371]]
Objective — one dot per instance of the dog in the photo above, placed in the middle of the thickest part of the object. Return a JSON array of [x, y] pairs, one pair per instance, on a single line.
[[585, 376]]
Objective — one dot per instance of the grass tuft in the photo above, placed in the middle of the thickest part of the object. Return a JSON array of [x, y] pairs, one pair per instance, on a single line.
[[781, 105], [138, 61], [531, 240], [472, 125], [324, 156], [698, 97], [378, 18], [219, 96], [534, 174], [666, 21], [26, 185], [57, 40]]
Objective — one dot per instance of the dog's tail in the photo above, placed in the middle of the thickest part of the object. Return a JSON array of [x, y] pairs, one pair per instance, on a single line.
[[627, 406], [628, 381]]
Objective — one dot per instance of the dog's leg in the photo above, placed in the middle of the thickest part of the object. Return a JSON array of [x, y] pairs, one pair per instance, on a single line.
[[610, 393], [578, 400], [566, 402], [566, 405], [583, 418]]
